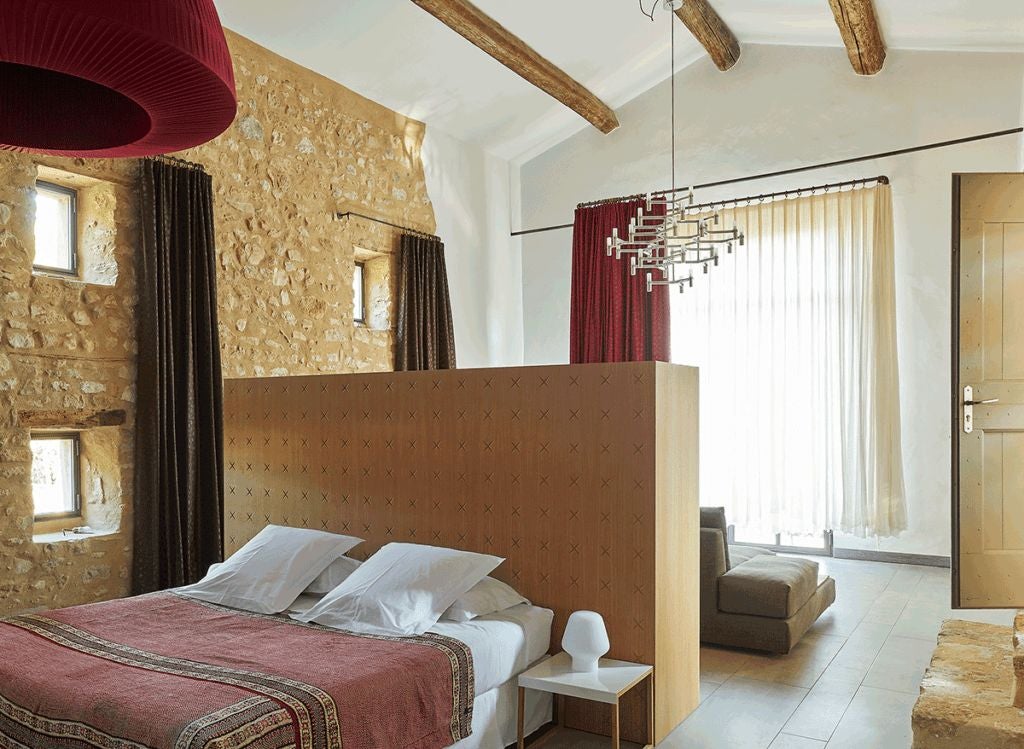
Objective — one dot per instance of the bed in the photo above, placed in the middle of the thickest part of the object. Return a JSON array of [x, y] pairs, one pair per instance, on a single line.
[[503, 645], [168, 671]]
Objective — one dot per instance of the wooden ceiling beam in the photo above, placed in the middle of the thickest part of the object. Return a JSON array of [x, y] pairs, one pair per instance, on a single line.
[[483, 31], [862, 36], [711, 31]]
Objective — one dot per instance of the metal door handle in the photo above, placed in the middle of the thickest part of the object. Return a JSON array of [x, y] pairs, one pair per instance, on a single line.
[[969, 404]]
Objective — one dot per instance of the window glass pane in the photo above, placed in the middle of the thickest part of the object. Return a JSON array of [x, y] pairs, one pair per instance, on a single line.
[[54, 248], [357, 294], [54, 463], [755, 536], [804, 542]]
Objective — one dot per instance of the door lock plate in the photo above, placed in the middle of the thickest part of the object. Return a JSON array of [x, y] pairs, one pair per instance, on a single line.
[[969, 404], [968, 410]]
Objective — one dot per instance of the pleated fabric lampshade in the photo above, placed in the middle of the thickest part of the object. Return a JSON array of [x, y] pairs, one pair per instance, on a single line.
[[102, 78]]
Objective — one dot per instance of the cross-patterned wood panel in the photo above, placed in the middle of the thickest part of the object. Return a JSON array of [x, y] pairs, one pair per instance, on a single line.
[[553, 468]]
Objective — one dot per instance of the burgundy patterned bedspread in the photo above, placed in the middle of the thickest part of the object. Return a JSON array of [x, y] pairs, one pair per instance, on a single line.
[[166, 672]]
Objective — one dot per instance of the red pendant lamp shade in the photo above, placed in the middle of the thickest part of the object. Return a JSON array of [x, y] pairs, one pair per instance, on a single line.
[[102, 78]]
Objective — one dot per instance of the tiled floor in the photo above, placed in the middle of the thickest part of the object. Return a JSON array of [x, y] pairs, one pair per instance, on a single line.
[[850, 683]]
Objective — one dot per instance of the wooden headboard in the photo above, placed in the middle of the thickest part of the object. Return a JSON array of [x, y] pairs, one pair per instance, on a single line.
[[583, 477]]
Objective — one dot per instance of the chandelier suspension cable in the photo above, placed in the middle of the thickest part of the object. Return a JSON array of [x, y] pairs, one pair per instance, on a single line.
[[672, 79], [662, 242]]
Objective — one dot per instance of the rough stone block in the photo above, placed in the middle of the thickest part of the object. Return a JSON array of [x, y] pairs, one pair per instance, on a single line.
[[965, 698]]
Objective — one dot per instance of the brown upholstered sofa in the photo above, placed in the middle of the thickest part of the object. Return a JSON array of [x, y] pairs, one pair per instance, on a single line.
[[752, 598]]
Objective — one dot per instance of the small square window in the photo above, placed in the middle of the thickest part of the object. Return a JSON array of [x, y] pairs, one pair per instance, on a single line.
[[55, 475], [56, 229], [359, 294]]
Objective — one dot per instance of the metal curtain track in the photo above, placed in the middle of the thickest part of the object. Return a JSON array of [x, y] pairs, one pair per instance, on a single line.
[[407, 229], [798, 191], [796, 170]]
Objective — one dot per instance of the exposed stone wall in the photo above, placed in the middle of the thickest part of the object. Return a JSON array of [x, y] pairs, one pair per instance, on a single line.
[[66, 345], [301, 149]]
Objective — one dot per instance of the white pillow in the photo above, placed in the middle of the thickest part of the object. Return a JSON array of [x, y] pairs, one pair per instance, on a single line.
[[326, 581], [270, 571], [486, 597], [402, 590], [333, 576]]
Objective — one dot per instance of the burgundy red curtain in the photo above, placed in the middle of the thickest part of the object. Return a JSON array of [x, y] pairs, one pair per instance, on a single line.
[[613, 318]]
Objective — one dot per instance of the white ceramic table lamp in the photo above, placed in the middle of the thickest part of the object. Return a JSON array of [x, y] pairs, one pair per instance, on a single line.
[[585, 639]]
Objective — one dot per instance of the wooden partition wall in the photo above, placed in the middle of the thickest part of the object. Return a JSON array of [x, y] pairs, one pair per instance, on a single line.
[[583, 477]]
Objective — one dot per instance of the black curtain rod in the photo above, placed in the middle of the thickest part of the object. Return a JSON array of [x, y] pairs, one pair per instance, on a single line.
[[799, 169], [408, 229], [177, 162], [699, 207]]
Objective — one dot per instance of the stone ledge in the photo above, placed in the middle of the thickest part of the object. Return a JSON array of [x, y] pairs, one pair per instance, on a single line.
[[71, 418], [60, 537], [965, 694]]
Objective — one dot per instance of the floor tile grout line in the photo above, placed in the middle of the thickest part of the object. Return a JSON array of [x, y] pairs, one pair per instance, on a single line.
[[860, 684], [782, 730], [788, 717], [887, 689]]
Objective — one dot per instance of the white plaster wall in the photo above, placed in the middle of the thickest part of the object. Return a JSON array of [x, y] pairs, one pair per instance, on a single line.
[[473, 193], [784, 107]]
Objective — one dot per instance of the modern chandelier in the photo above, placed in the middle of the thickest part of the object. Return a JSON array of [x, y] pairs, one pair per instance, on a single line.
[[668, 238]]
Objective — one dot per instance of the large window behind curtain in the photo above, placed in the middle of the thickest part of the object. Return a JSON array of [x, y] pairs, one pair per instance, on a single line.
[[796, 341]]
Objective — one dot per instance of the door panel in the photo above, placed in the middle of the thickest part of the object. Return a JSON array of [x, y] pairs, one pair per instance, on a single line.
[[989, 514]]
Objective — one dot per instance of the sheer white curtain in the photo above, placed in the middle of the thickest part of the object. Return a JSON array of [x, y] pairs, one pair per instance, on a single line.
[[795, 337]]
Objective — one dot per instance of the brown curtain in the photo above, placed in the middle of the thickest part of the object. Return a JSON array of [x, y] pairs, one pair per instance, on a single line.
[[425, 337], [179, 464]]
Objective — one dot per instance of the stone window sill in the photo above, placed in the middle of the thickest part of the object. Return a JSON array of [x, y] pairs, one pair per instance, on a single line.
[[56, 275], [48, 526], [59, 537], [78, 281]]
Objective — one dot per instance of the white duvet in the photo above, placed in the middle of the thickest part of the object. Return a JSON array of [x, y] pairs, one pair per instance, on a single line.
[[503, 644]]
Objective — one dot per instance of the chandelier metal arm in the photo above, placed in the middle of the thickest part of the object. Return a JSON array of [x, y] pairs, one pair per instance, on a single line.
[[667, 239]]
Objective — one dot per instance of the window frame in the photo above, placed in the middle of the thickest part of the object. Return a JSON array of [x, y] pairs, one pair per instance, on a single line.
[[359, 316], [72, 219], [827, 549], [76, 439]]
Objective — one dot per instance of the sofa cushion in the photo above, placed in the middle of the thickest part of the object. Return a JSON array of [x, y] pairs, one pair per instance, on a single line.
[[714, 517], [741, 554], [768, 585]]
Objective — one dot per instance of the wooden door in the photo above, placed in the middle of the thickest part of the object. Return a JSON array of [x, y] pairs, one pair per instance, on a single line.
[[988, 382]]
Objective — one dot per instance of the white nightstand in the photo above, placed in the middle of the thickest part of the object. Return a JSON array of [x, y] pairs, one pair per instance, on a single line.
[[611, 680]]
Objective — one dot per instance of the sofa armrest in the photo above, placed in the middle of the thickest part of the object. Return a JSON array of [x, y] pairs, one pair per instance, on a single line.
[[712, 566]]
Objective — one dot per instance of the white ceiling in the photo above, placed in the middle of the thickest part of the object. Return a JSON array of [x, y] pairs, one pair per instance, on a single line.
[[393, 52]]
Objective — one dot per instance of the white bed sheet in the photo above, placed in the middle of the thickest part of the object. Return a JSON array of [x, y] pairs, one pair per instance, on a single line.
[[503, 644], [495, 716]]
